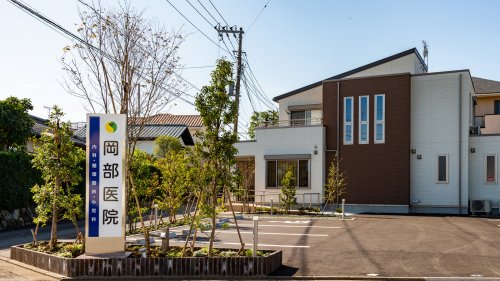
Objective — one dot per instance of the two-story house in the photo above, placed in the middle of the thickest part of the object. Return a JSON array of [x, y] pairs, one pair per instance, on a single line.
[[402, 134]]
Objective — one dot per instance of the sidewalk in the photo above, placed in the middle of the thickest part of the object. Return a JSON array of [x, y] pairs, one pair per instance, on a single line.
[[16, 271]]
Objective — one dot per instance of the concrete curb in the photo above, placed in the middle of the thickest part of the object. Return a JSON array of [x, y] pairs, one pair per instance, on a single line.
[[32, 268], [290, 278]]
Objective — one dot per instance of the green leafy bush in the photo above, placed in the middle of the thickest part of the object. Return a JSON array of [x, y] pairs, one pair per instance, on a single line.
[[17, 176], [228, 253]]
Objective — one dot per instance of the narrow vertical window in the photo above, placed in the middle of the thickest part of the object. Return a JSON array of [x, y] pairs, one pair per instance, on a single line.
[[364, 102], [303, 173], [348, 116], [490, 168], [271, 173], [442, 168], [379, 118]]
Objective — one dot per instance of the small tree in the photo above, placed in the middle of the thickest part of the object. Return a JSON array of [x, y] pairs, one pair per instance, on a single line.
[[174, 182], [288, 191], [15, 122], [335, 183], [58, 159], [166, 144], [147, 180], [263, 118], [216, 146]]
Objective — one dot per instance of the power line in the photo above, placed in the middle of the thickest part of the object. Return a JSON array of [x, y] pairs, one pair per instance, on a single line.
[[258, 16], [259, 90], [201, 14], [263, 99], [218, 12], [208, 11], [252, 90], [196, 67], [61, 30], [206, 36]]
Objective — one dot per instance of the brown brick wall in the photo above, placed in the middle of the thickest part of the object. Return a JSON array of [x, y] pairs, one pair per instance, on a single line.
[[376, 173]]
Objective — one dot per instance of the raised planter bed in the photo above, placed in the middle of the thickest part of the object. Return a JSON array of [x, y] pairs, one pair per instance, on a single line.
[[167, 266]]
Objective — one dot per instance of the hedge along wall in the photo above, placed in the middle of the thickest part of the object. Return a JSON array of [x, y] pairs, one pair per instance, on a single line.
[[17, 176]]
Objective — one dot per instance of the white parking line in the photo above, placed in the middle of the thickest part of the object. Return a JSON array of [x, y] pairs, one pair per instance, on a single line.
[[276, 225], [275, 233], [294, 222], [158, 241], [268, 245]]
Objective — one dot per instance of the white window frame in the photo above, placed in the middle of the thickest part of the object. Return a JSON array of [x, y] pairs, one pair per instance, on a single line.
[[447, 169], [361, 122], [375, 121], [349, 123], [485, 165]]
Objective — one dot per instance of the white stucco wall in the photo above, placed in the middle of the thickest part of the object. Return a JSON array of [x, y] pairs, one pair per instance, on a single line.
[[287, 141], [311, 96], [435, 130], [409, 63], [478, 188]]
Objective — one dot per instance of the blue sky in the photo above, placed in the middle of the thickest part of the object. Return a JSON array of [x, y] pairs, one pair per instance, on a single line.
[[293, 43]]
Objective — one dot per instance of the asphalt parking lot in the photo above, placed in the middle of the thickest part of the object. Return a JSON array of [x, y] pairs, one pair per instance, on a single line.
[[376, 245]]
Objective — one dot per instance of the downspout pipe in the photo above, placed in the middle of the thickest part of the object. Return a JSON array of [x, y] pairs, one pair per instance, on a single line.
[[338, 121], [460, 144]]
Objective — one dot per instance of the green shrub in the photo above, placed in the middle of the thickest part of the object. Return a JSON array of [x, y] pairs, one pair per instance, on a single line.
[[17, 176], [228, 253]]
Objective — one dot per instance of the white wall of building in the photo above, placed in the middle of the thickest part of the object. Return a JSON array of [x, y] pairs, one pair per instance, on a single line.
[[311, 96], [287, 141], [435, 119], [479, 189], [409, 63]]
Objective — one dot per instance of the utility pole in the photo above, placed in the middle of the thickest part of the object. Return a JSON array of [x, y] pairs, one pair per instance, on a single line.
[[233, 30]]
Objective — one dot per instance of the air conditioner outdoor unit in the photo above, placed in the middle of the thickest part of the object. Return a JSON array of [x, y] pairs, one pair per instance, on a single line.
[[480, 206]]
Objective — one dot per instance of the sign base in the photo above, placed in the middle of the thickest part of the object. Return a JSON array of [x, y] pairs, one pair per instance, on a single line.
[[100, 246]]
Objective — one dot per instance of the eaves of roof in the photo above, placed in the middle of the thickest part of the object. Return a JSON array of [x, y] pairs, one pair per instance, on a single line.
[[350, 72]]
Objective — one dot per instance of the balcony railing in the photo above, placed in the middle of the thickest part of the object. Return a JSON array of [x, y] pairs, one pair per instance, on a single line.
[[293, 123], [486, 125]]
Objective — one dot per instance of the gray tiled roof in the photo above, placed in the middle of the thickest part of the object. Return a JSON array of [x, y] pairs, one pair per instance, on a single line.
[[485, 86], [152, 131], [40, 125]]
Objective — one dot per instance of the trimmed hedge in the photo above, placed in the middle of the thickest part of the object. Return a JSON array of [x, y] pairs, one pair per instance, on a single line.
[[17, 176]]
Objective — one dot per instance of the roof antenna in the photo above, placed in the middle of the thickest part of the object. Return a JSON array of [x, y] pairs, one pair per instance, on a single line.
[[426, 54], [49, 109]]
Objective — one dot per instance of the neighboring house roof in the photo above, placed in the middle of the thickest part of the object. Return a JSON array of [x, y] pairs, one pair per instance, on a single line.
[[40, 125], [152, 131], [166, 118], [485, 86], [353, 71]]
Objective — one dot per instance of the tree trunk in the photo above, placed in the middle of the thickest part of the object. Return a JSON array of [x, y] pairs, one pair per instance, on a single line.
[[34, 233], [53, 230], [131, 180], [190, 227], [214, 206], [193, 242], [75, 223], [235, 223]]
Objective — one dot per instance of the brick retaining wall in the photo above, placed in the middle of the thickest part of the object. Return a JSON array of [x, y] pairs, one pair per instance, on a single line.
[[167, 266]]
